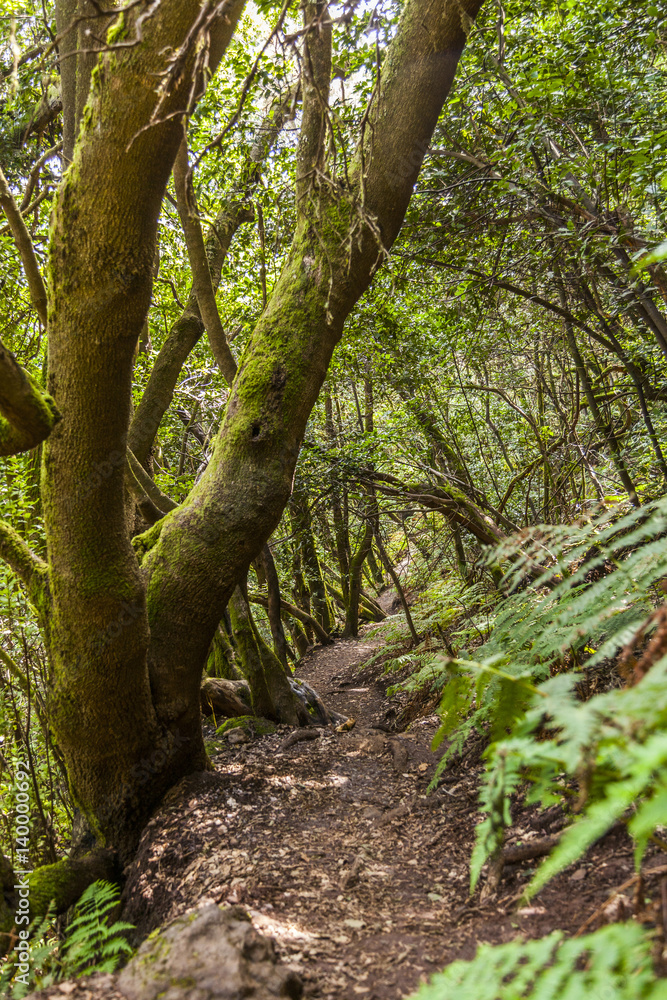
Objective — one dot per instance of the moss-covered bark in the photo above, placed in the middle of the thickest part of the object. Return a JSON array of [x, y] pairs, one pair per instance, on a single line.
[[221, 661], [27, 415], [304, 543], [101, 262], [354, 584], [129, 634], [270, 691]]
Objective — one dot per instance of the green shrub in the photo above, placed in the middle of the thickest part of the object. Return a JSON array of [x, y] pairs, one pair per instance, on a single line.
[[611, 964]]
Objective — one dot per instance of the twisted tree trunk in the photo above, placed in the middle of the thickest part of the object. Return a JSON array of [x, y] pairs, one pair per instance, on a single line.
[[129, 625]]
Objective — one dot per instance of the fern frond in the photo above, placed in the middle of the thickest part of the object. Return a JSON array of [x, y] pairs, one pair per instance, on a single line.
[[92, 943], [613, 963]]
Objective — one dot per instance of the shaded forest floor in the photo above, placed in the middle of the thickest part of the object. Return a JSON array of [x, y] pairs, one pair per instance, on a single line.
[[337, 851]]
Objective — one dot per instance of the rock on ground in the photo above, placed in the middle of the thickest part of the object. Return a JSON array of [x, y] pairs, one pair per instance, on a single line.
[[207, 954]]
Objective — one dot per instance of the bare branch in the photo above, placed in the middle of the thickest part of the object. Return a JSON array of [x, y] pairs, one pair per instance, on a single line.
[[34, 174], [201, 273], [25, 248]]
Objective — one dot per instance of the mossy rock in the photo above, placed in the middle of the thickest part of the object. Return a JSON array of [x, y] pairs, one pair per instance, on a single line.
[[209, 954], [250, 724]]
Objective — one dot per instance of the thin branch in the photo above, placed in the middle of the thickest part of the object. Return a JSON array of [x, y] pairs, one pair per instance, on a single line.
[[199, 265], [15, 671], [297, 613], [21, 559], [34, 174], [246, 87], [25, 248], [153, 503]]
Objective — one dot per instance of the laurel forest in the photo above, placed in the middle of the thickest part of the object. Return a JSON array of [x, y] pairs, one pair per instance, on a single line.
[[334, 338]]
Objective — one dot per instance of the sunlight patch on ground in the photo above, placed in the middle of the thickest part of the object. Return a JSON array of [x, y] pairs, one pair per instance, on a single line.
[[284, 931]]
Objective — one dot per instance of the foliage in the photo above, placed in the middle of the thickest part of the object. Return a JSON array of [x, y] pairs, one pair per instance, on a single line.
[[543, 732], [92, 943], [510, 354], [613, 963]]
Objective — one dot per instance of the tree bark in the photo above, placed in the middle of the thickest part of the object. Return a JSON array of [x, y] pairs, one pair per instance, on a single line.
[[114, 744], [130, 627], [27, 414], [189, 327]]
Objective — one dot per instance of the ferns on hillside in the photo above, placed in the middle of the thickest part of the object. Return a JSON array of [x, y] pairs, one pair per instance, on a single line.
[[596, 585], [613, 963], [91, 944], [590, 588], [614, 745]]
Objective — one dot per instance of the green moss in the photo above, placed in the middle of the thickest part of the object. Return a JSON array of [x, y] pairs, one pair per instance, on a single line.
[[251, 724], [118, 30], [144, 542], [213, 746], [184, 982]]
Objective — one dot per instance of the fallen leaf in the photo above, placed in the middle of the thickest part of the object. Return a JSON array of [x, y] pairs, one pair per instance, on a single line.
[[346, 726]]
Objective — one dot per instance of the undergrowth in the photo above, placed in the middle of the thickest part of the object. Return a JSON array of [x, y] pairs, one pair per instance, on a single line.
[[93, 942], [612, 964], [573, 715]]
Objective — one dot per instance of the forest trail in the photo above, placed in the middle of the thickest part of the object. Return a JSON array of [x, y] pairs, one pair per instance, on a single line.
[[332, 844], [337, 851]]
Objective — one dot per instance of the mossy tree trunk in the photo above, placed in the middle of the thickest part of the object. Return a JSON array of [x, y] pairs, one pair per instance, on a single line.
[[129, 626], [270, 691], [119, 749], [304, 543]]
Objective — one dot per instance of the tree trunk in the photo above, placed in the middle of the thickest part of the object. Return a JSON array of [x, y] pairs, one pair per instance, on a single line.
[[121, 755], [354, 585], [129, 625], [273, 606], [304, 540]]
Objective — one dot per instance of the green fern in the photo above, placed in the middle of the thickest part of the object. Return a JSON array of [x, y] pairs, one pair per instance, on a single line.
[[618, 740], [543, 736], [92, 943], [613, 963]]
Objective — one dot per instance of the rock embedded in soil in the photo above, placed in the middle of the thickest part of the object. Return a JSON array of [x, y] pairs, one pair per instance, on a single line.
[[225, 698], [208, 954]]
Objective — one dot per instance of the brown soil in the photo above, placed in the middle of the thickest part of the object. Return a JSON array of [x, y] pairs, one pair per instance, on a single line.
[[337, 851]]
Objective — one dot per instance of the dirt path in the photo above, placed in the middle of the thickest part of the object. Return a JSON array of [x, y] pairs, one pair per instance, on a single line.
[[337, 851]]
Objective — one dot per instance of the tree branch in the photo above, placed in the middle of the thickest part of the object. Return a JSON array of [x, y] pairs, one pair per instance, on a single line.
[[189, 327], [153, 503], [29, 568], [25, 248], [416, 78], [297, 613], [34, 174], [316, 80], [28, 414], [199, 265]]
